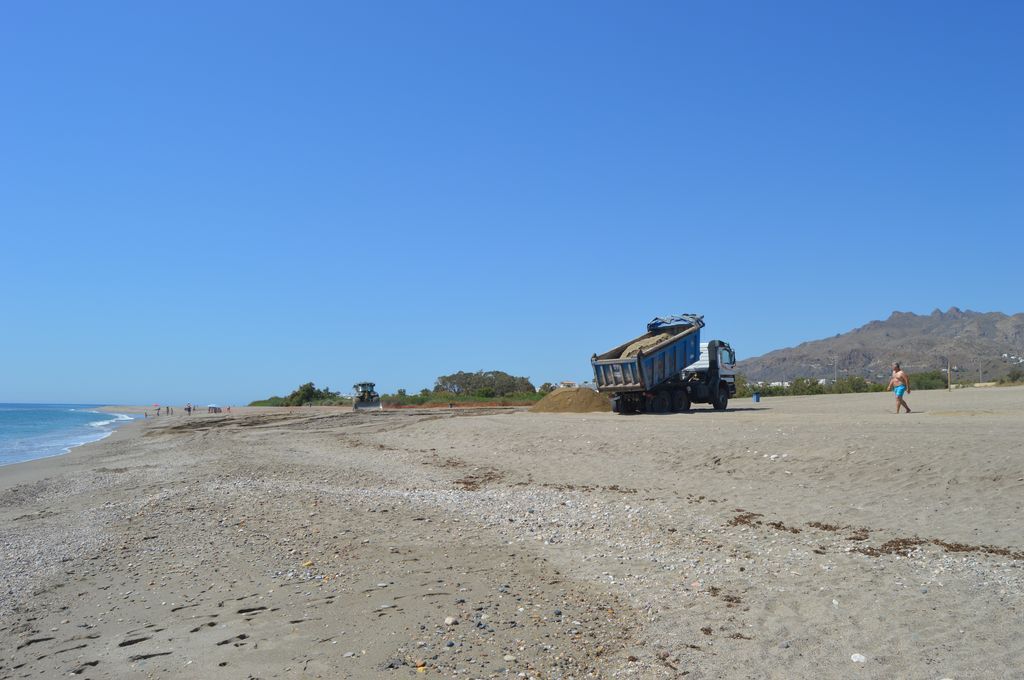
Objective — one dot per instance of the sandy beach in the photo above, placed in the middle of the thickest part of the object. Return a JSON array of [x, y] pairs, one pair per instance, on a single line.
[[801, 537]]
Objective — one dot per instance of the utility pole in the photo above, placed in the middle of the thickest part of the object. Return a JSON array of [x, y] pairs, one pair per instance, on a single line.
[[949, 376]]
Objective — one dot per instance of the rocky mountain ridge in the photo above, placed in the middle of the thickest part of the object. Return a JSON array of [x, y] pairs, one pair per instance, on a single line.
[[979, 345]]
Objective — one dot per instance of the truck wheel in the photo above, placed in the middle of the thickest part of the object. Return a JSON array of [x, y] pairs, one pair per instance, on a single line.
[[623, 405], [660, 403], [680, 401], [722, 399]]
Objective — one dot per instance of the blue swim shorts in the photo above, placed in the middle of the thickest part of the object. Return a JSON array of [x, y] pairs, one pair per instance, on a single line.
[[899, 390]]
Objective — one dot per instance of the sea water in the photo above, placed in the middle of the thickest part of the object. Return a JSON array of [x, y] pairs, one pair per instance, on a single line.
[[30, 431]]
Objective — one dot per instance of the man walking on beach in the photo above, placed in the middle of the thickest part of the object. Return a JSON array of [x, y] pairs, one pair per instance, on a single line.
[[900, 385]]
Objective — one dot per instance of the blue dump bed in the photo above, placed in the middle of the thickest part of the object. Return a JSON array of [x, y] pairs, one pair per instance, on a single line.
[[649, 360]]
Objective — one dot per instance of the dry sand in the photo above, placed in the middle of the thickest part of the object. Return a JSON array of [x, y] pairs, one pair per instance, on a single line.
[[774, 540]]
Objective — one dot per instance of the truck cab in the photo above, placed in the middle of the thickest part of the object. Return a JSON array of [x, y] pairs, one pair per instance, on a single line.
[[712, 378]]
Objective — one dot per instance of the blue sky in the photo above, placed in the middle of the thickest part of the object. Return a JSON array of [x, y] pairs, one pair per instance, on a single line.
[[219, 201]]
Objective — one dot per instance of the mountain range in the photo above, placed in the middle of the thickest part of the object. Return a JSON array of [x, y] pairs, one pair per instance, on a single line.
[[978, 345]]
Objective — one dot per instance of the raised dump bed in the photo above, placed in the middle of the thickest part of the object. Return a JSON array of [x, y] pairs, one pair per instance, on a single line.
[[670, 345]]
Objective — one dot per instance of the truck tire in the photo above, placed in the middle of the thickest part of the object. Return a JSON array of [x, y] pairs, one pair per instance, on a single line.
[[660, 403], [680, 401], [623, 405], [721, 398]]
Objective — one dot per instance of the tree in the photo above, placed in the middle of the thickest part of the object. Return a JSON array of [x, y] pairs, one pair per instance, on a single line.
[[303, 394], [805, 386], [307, 394], [743, 388], [498, 382], [455, 383], [546, 388]]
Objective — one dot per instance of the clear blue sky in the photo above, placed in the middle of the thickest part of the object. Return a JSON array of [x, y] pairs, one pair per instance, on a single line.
[[219, 201]]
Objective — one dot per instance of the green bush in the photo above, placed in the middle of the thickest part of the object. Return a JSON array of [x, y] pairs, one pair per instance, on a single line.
[[1014, 377], [445, 398], [272, 401], [306, 394], [930, 380], [805, 386], [466, 388]]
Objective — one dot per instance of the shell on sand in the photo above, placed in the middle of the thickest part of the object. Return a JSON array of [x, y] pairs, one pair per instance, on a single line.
[[572, 400]]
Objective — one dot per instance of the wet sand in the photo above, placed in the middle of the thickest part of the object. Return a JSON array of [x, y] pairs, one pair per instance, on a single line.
[[800, 537]]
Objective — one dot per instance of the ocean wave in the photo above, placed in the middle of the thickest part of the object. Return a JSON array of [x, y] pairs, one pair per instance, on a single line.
[[31, 432], [118, 417], [74, 444], [51, 449], [97, 438]]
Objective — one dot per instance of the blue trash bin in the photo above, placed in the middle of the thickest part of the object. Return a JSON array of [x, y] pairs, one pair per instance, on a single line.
[[757, 397]]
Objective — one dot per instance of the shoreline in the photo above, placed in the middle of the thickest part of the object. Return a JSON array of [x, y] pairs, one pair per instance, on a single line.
[[25, 471], [71, 447], [485, 543]]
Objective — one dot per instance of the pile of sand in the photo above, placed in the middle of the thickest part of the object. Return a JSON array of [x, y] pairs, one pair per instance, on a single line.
[[644, 344], [573, 400]]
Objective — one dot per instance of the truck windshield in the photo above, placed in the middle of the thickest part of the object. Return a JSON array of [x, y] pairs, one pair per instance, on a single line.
[[727, 357]]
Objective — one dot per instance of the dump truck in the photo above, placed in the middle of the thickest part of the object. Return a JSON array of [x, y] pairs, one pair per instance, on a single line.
[[667, 369], [365, 397]]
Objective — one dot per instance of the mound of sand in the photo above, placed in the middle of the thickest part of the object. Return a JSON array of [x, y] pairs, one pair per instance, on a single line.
[[572, 400]]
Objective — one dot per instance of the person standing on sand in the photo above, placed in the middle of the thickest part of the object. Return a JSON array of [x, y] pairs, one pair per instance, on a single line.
[[900, 385]]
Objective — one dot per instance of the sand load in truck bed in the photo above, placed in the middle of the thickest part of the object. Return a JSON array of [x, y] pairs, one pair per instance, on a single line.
[[644, 344], [572, 400]]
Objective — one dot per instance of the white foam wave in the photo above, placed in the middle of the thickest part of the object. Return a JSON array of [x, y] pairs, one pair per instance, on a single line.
[[76, 444], [118, 417], [58, 450]]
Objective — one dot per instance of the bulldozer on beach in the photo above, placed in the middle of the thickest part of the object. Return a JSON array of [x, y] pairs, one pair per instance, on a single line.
[[365, 397]]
